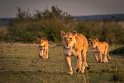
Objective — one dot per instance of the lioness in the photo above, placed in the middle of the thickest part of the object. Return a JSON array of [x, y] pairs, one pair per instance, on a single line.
[[75, 44], [43, 45], [100, 48]]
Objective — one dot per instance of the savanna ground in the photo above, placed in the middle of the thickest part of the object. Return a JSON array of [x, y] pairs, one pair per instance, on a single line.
[[20, 63]]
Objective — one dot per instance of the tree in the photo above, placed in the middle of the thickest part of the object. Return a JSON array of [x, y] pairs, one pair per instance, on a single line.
[[22, 14], [54, 12]]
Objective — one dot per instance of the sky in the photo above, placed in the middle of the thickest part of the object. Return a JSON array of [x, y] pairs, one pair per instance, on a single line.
[[8, 8]]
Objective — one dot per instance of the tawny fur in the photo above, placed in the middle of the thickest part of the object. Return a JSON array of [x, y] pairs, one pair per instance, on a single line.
[[77, 45], [102, 48], [43, 45]]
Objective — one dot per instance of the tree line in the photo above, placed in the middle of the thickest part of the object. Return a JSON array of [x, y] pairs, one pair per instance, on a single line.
[[49, 22]]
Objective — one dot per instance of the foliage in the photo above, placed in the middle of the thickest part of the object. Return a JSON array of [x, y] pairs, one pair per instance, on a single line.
[[49, 23], [29, 30], [22, 14], [55, 12], [104, 30]]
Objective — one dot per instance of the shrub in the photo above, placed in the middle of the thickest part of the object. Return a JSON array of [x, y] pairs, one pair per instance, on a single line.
[[49, 23], [106, 31]]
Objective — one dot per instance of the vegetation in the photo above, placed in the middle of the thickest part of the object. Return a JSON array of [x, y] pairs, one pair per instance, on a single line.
[[106, 31], [48, 23]]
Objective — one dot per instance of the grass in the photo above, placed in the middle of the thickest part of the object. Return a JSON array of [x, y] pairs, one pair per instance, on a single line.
[[20, 63]]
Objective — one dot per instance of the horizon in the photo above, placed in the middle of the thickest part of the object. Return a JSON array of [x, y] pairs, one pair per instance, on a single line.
[[80, 15]]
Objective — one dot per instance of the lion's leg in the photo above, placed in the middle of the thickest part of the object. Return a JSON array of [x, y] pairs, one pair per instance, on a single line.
[[96, 57], [68, 61], [86, 64], [108, 54], [107, 50], [85, 55], [100, 57], [41, 53], [79, 63], [46, 54], [83, 61], [105, 57]]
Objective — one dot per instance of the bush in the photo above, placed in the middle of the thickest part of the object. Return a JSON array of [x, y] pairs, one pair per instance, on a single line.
[[49, 23], [28, 30], [89, 29], [106, 31]]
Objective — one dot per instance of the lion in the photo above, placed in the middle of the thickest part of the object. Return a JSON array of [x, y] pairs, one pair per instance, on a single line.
[[43, 45], [100, 48], [75, 44]]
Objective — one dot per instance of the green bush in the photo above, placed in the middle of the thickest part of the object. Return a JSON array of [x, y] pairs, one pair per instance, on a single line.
[[30, 30], [106, 31], [89, 29]]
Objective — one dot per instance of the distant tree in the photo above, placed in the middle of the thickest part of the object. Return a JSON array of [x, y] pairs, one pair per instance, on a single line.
[[55, 12], [21, 14], [38, 14]]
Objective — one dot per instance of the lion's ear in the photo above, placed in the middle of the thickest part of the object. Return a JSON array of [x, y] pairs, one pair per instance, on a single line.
[[74, 33], [62, 33], [89, 39], [44, 39], [38, 40], [97, 39]]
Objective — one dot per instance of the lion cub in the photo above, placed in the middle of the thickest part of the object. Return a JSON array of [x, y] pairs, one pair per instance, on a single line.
[[100, 48], [43, 45], [77, 45]]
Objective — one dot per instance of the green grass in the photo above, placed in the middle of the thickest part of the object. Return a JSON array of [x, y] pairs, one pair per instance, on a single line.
[[20, 63]]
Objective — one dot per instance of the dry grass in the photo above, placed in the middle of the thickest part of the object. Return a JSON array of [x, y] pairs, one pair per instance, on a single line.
[[19, 63]]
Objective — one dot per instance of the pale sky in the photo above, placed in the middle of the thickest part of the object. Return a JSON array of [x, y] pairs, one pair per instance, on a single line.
[[73, 7]]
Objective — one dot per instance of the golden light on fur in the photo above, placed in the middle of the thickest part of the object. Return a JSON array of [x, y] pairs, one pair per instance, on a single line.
[[43, 45], [102, 48], [77, 45]]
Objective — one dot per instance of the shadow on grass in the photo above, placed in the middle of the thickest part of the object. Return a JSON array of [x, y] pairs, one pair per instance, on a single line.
[[118, 51], [41, 72], [54, 73]]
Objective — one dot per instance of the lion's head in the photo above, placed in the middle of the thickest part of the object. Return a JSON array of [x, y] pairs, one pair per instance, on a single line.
[[94, 43], [68, 39], [41, 42]]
